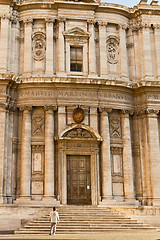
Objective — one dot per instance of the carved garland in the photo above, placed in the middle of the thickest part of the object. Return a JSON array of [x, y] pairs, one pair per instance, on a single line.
[[39, 46]]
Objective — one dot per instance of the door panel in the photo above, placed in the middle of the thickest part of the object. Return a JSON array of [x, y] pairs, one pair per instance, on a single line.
[[78, 179]]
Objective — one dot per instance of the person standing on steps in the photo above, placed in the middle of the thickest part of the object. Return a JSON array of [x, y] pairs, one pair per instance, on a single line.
[[54, 220]]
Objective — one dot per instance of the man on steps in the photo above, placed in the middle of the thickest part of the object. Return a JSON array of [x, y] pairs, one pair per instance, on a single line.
[[54, 219]]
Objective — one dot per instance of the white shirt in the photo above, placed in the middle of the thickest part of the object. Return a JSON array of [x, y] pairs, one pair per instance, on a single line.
[[54, 216]]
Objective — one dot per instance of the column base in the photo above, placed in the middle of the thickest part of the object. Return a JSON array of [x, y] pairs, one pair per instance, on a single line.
[[61, 74], [51, 200], [23, 200], [92, 75], [132, 202], [156, 202], [107, 201]]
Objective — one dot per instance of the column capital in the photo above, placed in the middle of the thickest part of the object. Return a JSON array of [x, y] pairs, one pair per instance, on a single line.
[[3, 105], [50, 21], [102, 23], [26, 108], [28, 21], [123, 26], [61, 19], [105, 110], [126, 112], [91, 21], [152, 112], [50, 108]]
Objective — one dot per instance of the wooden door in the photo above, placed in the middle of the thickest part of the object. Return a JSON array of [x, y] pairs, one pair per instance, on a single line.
[[78, 179]]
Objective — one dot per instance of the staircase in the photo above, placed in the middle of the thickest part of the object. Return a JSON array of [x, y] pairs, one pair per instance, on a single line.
[[85, 219]]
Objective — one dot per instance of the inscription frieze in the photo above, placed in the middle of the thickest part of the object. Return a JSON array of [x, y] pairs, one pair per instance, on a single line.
[[86, 94]]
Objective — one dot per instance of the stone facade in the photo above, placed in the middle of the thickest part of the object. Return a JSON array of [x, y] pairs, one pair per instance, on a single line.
[[79, 85]]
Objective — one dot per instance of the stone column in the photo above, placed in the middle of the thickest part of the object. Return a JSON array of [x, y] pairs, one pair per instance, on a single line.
[[123, 53], [93, 118], [61, 118], [49, 153], [2, 147], [154, 155], [49, 46], [92, 50], [61, 50], [28, 46], [25, 187], [127, 159], [105, 157], [147, 72], [5, 28], [103, 49], [157, 49]]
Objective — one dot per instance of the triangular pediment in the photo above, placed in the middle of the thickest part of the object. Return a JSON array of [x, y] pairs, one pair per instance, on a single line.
[[76, 32]]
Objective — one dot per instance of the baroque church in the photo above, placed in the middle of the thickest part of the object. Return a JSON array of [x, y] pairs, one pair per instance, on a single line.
[[79, 103]]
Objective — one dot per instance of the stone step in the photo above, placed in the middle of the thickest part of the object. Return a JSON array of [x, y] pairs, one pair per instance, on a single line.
[[85, 220]]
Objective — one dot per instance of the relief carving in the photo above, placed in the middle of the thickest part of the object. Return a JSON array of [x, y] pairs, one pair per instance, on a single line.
[[39, 46], [112, 49], [78, 133], [115, 128], [37, 125]]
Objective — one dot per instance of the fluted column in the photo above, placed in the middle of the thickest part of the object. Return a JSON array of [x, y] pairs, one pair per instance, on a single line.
[[154, 155], [28, 46], [102, 49], [92, 50], [49, 46], [123, 52], [49, 152], [127, 158], [105, 157], [61, 50], [5, 28], [26, 154]]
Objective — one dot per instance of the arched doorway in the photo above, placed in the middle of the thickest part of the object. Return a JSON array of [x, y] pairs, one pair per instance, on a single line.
[[78, 165]]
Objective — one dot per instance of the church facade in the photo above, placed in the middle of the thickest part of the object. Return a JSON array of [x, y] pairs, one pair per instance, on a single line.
[[79, 103]]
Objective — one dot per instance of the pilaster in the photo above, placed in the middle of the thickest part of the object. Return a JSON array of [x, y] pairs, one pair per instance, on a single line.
[[157, 49], [105, 157], [123, 53], [154, 154], [4, 47], [49, 46], [127, 159], [2, 147], [102, 49], [61, 50], [61, 118], [25, 186], [94, 118], [147, 73], [92, 50], [28, 46], [49, 153]]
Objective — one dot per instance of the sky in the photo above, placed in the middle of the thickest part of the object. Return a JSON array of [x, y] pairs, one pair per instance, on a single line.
[[128, 3]]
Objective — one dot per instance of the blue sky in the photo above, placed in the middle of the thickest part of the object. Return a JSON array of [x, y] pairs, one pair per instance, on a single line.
[[128, 3]]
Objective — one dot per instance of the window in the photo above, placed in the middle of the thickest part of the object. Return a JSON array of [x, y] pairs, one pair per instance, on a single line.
[[76, 57]]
